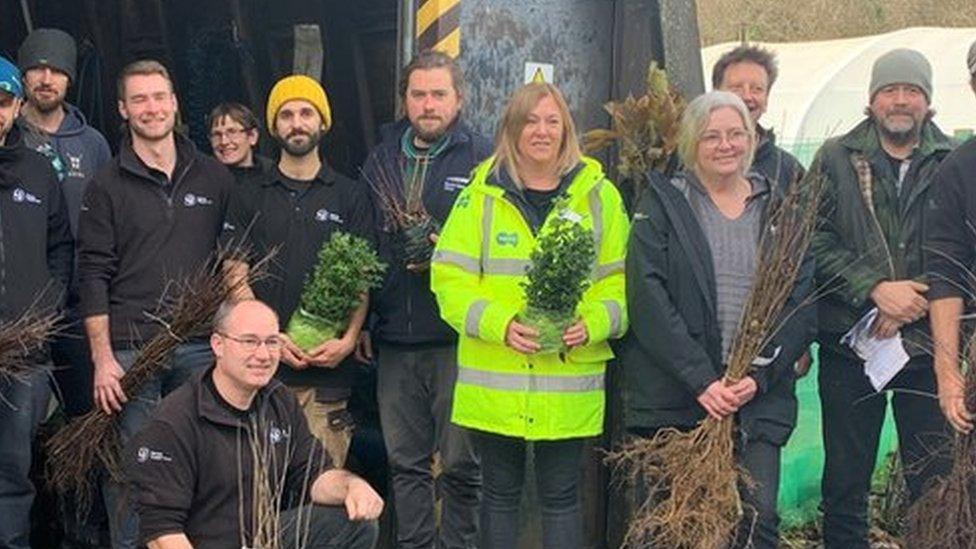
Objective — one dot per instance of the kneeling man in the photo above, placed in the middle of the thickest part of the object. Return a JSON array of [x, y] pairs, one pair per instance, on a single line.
[[234, 441]]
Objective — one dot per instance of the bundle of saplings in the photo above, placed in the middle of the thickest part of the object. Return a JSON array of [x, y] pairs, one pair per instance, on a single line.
[[400, 196], [945, 516], [558, 275], [347, 268]]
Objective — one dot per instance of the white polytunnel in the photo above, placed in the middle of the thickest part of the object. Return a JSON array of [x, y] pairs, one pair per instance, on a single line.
[[822, 88]]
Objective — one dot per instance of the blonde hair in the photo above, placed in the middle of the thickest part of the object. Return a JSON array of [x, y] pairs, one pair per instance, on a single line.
[[695, 120], [514, 120]]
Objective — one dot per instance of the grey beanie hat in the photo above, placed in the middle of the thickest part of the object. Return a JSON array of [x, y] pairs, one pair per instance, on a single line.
[[971, 60], [902, 66], [52, 47]]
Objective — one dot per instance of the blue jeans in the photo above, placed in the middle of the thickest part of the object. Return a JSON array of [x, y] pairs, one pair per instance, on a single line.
[[557, 471], [22, 407], [188, 359]]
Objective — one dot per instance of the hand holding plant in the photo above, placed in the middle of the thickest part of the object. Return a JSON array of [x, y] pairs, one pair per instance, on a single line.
[[556, 280], [347, 269]]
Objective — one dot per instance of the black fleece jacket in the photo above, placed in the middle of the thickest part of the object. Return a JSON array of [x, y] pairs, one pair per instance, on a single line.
[[137, 232], [36, 249], [191, 468], [404, 309], [950, 251]]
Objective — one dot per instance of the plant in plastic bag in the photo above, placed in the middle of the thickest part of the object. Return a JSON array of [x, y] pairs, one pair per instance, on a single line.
[[399, 188], [558, 275], [347, 268]]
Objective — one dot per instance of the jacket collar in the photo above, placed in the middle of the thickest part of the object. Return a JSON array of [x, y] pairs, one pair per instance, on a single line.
[[11, 145], [765, 142], [586, 175], [209, 408], [326, 176], [11, 150], [864, 139], [457, 134], [130, 161]]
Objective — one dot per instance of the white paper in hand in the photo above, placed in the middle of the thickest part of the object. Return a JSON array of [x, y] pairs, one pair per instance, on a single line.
[[883, 358]]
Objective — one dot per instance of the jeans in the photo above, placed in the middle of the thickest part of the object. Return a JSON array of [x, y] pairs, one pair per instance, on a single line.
[[22, 407], [759, 527], [852, 417], [187, 359], [415, 390], [325, 527], [557, 471]]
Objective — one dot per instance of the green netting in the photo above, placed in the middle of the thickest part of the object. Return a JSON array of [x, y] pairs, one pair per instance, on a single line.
[[802, 463]]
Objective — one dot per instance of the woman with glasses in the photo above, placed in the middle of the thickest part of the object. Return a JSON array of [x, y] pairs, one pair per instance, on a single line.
[[691, 262]]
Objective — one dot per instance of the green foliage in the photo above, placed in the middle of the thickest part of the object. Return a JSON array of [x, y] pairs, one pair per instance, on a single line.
[[347, 268], [561, 265]]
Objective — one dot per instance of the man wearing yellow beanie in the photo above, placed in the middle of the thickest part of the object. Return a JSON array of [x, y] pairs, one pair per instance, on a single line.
[[295, 208]]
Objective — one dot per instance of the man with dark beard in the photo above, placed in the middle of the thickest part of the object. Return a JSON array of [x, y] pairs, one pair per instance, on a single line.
[[869, 255], [149, 217], [59, 131], [295, 209], [416, 351]]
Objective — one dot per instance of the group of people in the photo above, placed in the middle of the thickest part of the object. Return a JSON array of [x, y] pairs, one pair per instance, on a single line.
[[460, 380]]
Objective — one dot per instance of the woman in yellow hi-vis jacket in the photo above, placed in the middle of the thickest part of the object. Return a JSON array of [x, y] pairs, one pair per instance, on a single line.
[[508, 394]]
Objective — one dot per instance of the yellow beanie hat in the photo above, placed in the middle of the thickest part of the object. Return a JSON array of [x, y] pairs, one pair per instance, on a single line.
[[298, 86]]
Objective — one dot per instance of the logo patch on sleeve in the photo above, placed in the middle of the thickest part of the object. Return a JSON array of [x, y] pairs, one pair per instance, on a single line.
[[145, 454]]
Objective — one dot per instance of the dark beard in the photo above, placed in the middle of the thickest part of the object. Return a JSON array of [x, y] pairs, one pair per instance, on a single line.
[[301, 150], [434, 136], [43, 106]]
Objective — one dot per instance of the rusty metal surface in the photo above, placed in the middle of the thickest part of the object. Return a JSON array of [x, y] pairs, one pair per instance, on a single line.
[[682, 45], [499, 36]]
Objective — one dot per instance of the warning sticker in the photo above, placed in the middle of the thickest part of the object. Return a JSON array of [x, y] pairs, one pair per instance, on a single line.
[[538, 72]]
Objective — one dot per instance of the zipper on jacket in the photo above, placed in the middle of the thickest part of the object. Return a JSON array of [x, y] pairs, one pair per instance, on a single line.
[[409, 305], [3, 261]]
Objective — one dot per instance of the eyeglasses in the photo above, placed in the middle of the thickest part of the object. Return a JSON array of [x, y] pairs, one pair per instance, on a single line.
[[250, 344], [230, 133], [712, 140]]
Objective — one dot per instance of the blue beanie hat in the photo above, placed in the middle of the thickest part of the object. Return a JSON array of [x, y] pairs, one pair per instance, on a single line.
[[10, 78]]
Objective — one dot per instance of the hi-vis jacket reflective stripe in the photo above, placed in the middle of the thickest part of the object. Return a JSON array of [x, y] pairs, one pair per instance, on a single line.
[[480, 260]]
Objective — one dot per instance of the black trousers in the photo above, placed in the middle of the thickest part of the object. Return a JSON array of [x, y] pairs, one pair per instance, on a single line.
[[852, 416], [325, 527]]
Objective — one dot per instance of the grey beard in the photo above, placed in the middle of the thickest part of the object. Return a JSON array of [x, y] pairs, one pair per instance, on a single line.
[[900, 138]]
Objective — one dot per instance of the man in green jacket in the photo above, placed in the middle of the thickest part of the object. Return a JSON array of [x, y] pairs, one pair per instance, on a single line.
[[868, 249]]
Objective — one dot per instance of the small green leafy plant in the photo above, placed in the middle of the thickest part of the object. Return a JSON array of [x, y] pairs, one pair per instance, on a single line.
[[558, 275], [347, 268]]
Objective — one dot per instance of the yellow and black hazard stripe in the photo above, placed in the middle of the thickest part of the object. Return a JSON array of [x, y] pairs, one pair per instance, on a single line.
[[439, 26]]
